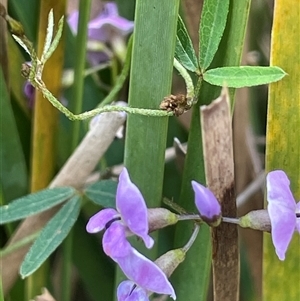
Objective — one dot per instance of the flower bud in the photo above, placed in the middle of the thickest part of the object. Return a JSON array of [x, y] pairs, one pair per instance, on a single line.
[[159, 218], [207, 205], [169, 261], [257, 220]]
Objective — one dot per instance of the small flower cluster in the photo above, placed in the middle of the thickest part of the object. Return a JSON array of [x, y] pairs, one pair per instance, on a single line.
[[131, 218]]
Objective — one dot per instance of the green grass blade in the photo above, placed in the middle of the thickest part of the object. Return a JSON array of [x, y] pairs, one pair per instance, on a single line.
[[51, 237], [212, 25], [150, 81], [13, 171], [281, 279]]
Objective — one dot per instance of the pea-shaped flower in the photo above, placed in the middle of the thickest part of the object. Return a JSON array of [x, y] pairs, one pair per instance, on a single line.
[[131, 217], [282, 209]]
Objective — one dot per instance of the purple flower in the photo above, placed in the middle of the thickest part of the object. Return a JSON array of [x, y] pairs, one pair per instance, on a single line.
[[106, 27], [131, 214], [282, 209], [207, 204], [131, 217]]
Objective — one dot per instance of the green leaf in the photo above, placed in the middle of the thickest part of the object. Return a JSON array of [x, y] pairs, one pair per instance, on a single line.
[[244, 76], [34, 203], [51, 236], [184, 51], [103, 193], [212, 26]]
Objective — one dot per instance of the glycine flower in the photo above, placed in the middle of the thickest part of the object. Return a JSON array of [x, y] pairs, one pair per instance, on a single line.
[[106, 27], [130, 217], [207, 204], [282, 209]]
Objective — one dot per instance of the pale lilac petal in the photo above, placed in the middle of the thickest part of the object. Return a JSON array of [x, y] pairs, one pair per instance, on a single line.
[[206, 203], [145, 273], [132, 207], [100, 27], [281, 208], [278, 189], [98, 221], [128, 291], [114, 241]]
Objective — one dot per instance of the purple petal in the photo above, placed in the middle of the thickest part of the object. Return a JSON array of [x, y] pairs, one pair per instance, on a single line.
[[114, 241], [132, 207], [128, 291], [100, 27], [281, 208], [206, 203], [145, 273], [29, 92], [98, 221]]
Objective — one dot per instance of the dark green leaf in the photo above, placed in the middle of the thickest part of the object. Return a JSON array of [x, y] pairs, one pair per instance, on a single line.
[[184, 51], [212, 25], [34, 203], [244, 76], [103, 193], [51, 236], [13, 173]]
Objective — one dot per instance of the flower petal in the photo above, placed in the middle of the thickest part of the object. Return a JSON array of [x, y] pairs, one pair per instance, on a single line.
[[206, 203], [281, 208], [128, 291], [98, 221], [100, 28], [132, 207], [145, 273], [278, 189], [114, 241]]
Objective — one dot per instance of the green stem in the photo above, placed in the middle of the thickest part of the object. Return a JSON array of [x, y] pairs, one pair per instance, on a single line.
[[81, 41], [190, 93], [122, 77]]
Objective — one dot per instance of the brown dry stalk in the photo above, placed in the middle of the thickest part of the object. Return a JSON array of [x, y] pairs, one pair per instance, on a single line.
[[219, 169]]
